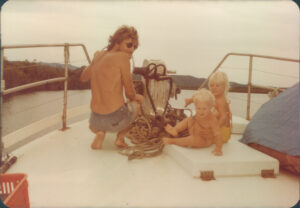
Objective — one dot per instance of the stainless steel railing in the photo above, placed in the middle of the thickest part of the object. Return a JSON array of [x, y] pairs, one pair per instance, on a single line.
[[250, 85], [4, 91], [60, 79]]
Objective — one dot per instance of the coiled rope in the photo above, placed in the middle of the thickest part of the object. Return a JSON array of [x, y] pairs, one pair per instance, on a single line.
[[147, 132]]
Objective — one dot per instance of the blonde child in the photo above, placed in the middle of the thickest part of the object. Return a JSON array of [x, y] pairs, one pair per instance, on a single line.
[[203, 128], [219, 86]]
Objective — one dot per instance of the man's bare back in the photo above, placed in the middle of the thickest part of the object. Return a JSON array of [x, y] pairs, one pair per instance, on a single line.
[[109, 72]]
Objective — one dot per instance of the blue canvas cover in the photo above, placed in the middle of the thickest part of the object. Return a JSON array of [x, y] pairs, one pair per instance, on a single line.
[[276, 123]]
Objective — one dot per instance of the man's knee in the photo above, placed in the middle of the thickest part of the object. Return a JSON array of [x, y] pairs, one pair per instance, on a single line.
[[96, 132], [92, 130]]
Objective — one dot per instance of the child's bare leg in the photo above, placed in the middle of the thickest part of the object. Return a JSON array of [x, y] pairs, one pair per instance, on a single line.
[[98, 140], [167, 140], [183, 141], [188, 141], [182, 125]]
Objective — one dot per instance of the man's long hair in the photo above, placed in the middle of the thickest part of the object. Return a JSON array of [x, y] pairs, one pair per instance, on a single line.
[[124, 32]]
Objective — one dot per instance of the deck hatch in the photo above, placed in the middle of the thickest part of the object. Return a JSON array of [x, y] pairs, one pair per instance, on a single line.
[[207, 175], [268, 173], [238, 159]]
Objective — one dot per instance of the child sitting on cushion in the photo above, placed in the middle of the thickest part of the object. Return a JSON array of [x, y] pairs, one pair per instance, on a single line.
[[203, 128], [219, 86]]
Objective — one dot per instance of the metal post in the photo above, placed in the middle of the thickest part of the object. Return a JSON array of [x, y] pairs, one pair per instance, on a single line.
[[86, 53], [64, 116], [217, 67], [249, 88], [1, 102]]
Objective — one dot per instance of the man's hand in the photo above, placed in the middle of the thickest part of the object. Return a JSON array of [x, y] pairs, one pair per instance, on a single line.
[[139, 98]]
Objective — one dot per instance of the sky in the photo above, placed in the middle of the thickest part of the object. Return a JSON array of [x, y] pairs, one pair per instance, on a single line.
[[191, 37]]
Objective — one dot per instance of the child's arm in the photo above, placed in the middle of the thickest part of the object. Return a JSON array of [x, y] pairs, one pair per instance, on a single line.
[[217, 136], [188, 101], [179, 127], [215, 112], [223, 111]]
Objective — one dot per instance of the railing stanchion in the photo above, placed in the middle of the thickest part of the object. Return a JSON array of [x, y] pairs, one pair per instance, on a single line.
[[64, 116], [1, 103], [249, 88], [217, 67], [86, 53]]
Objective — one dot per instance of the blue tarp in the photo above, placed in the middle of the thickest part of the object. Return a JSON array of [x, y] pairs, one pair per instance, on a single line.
[[276, 123]]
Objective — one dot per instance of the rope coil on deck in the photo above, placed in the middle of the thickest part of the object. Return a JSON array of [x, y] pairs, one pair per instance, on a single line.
[[143, 140], [147, 132], [150, 148]]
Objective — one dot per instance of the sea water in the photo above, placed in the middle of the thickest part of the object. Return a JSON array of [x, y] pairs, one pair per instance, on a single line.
[[22, 110]]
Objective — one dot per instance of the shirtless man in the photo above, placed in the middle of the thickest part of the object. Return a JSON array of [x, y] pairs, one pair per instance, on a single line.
[[109, 74]]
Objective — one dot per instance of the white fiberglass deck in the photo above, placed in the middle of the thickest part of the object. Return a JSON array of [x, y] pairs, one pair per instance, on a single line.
[[64, 172]]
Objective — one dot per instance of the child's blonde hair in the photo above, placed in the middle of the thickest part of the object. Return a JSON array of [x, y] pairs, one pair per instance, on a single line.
[[220, 78], [204, 95]]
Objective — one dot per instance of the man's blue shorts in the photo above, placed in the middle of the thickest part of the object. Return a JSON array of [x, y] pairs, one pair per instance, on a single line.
[[115, 121]]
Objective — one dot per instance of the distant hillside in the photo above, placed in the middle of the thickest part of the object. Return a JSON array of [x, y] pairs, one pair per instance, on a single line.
[[187, 82], [17, 73], [70, 66]]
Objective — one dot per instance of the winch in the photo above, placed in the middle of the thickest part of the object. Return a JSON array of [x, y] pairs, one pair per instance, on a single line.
[[146, 132]]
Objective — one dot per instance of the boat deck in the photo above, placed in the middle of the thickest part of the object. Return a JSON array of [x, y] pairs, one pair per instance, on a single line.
[[63, 171]]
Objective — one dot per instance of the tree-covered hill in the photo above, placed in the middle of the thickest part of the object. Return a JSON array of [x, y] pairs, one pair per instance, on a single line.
[[17, 73]]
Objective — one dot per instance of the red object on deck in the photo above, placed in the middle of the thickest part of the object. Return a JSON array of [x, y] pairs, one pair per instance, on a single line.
[[14, 190]]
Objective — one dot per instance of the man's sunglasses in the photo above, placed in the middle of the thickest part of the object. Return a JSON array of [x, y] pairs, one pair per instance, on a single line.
[[130, 45]]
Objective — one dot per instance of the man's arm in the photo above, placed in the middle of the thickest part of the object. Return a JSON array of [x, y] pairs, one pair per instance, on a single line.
[[126, 77], [86, 74]]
